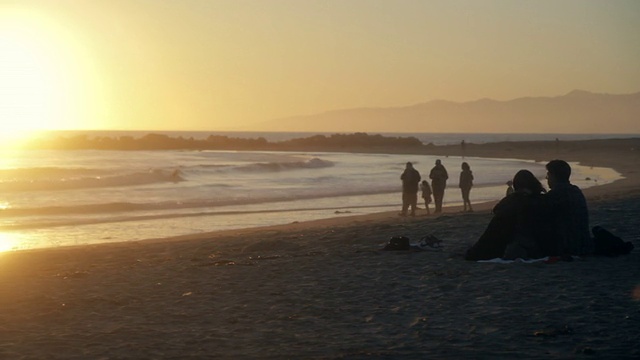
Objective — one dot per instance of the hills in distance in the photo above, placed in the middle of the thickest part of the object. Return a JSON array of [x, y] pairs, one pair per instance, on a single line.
[[576, 112]]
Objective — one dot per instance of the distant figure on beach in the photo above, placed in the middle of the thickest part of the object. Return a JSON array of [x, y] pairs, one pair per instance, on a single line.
[[465, 185], [515, 230], [410, 179], [426, 194], [569, 217], [510, 189], [438, 176], [463, 146]]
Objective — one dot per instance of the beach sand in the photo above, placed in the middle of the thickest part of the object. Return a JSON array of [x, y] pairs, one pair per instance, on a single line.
[[323, 290]]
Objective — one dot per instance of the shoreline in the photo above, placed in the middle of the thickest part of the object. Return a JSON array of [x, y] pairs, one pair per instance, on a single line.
[[622, 155], [323, 290], [619, 155]]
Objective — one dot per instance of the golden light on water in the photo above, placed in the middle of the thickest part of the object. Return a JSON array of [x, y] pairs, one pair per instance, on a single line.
[[14, 139], [9, 241]]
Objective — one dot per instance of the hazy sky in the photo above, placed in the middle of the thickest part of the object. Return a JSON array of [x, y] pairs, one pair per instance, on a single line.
[[215, 64]]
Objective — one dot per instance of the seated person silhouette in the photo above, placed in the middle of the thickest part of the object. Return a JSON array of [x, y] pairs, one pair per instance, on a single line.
[[514, 230]]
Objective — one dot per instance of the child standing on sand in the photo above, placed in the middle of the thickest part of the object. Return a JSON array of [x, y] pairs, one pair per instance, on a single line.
[[426, 194]]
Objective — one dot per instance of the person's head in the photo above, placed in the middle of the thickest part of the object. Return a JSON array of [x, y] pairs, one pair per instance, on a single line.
[[409, 165], [465, 166], [438, 162], [524, 180], [558, 171]]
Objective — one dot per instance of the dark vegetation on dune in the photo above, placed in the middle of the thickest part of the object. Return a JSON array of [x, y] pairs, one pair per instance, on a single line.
[[355, 142]]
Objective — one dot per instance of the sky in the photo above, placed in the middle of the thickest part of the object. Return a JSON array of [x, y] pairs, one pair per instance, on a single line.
[[220, 65]]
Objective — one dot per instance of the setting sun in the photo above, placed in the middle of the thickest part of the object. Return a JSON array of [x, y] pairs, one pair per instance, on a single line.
[[43, 73], [26, 92], [27, 81]]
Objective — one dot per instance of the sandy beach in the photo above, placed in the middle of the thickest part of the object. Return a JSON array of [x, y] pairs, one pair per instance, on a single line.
[[324, 290]]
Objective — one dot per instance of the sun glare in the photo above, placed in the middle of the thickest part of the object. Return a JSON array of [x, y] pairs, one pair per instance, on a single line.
[[8, 242], [42, 71], [27, 92]]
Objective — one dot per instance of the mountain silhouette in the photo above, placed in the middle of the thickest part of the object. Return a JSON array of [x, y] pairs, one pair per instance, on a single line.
[[578, 111]]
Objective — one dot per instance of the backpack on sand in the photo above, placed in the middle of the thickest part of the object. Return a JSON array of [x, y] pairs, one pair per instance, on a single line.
[[607, 244], [398, 243]]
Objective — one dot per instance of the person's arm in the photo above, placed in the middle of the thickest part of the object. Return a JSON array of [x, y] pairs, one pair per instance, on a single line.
[[507, 204]]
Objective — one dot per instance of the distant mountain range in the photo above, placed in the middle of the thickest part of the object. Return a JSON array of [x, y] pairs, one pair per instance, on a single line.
[[576, 112]]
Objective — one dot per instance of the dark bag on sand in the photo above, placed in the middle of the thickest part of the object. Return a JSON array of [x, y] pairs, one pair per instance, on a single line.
[[398, 243], [607, 244]]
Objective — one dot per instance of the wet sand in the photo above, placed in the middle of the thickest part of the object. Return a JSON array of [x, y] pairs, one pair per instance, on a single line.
[[323, 290]]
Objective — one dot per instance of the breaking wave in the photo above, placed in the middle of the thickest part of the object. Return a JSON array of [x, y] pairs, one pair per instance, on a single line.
[[70, 179]]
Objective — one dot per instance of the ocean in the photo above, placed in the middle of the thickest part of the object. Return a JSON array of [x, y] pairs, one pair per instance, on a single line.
[[52, 198]]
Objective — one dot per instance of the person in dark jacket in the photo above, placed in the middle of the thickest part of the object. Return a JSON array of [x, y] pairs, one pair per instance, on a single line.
[[465, 185], [410, 179], [514, 231], [438, 176], [568, 216]]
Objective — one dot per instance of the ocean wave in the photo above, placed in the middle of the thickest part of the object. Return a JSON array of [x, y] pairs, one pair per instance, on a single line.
[[76, 180], [9, 225], [184, 205], [314, 163], [31, 173]]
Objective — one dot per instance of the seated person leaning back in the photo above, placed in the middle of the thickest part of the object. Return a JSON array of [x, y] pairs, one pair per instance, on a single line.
[[514, 231]]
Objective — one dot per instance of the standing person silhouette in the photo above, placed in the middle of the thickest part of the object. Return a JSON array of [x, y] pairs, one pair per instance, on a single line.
[[438, 176], [465, 185], [410, 179], [515, 229]]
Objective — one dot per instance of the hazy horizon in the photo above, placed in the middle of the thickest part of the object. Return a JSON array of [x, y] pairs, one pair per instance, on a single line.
[[198, 65]]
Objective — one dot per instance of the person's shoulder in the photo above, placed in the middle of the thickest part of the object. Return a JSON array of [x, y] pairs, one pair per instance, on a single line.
[[509, 200], [563, 189], [576, 192], [575, 188]]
